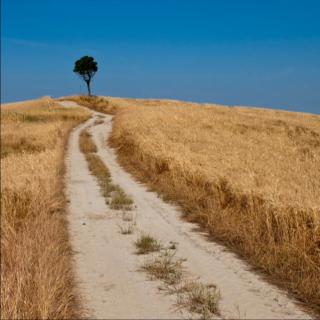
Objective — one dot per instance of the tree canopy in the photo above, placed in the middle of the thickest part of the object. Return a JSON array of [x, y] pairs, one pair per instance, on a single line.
[[86, 67]]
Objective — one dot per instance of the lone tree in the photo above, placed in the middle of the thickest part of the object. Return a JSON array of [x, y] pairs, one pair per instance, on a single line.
[[86, 67]]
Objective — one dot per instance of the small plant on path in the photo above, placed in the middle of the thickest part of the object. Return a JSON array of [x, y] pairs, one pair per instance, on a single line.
[[146, 244], [127, 228], [165, 267], [120, 200], [199, 298]]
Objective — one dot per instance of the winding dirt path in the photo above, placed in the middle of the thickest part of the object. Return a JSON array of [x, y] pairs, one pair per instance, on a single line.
[[107, 266]]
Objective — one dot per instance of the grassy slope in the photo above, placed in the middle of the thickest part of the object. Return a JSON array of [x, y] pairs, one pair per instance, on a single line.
[[36, 274], [251, 177]]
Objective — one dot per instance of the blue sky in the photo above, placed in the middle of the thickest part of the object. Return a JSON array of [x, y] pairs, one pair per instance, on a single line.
[[262, 53]]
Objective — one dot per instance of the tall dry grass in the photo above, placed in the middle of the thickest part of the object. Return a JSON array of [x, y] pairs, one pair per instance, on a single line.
[[251, 177], [36, 275]]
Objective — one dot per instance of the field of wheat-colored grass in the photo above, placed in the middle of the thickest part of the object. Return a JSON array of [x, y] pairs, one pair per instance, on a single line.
[[37, 280], [249, 176]]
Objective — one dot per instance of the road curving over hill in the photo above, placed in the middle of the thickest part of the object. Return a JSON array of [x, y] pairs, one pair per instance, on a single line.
[[107, 265]]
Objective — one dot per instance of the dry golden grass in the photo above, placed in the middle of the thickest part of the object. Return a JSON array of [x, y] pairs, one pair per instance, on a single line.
[[251, 177], [36, 275], [40, 103]]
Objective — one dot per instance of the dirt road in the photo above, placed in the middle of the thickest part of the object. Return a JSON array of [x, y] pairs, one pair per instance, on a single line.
[[108, 268]]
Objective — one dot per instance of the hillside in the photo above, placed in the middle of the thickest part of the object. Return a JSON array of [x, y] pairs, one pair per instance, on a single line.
[[249, 176]]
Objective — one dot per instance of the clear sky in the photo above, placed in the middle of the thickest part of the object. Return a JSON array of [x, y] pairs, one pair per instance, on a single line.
[[262, 53]]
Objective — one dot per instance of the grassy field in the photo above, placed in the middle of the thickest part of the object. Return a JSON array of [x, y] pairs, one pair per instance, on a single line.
[[36, 273], [250, 177]]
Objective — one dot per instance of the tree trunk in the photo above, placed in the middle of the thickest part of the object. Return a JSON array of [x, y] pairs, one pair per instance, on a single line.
[[88, 86]]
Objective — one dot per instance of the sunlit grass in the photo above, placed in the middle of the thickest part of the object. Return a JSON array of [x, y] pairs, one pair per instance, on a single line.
[[36, 273]]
